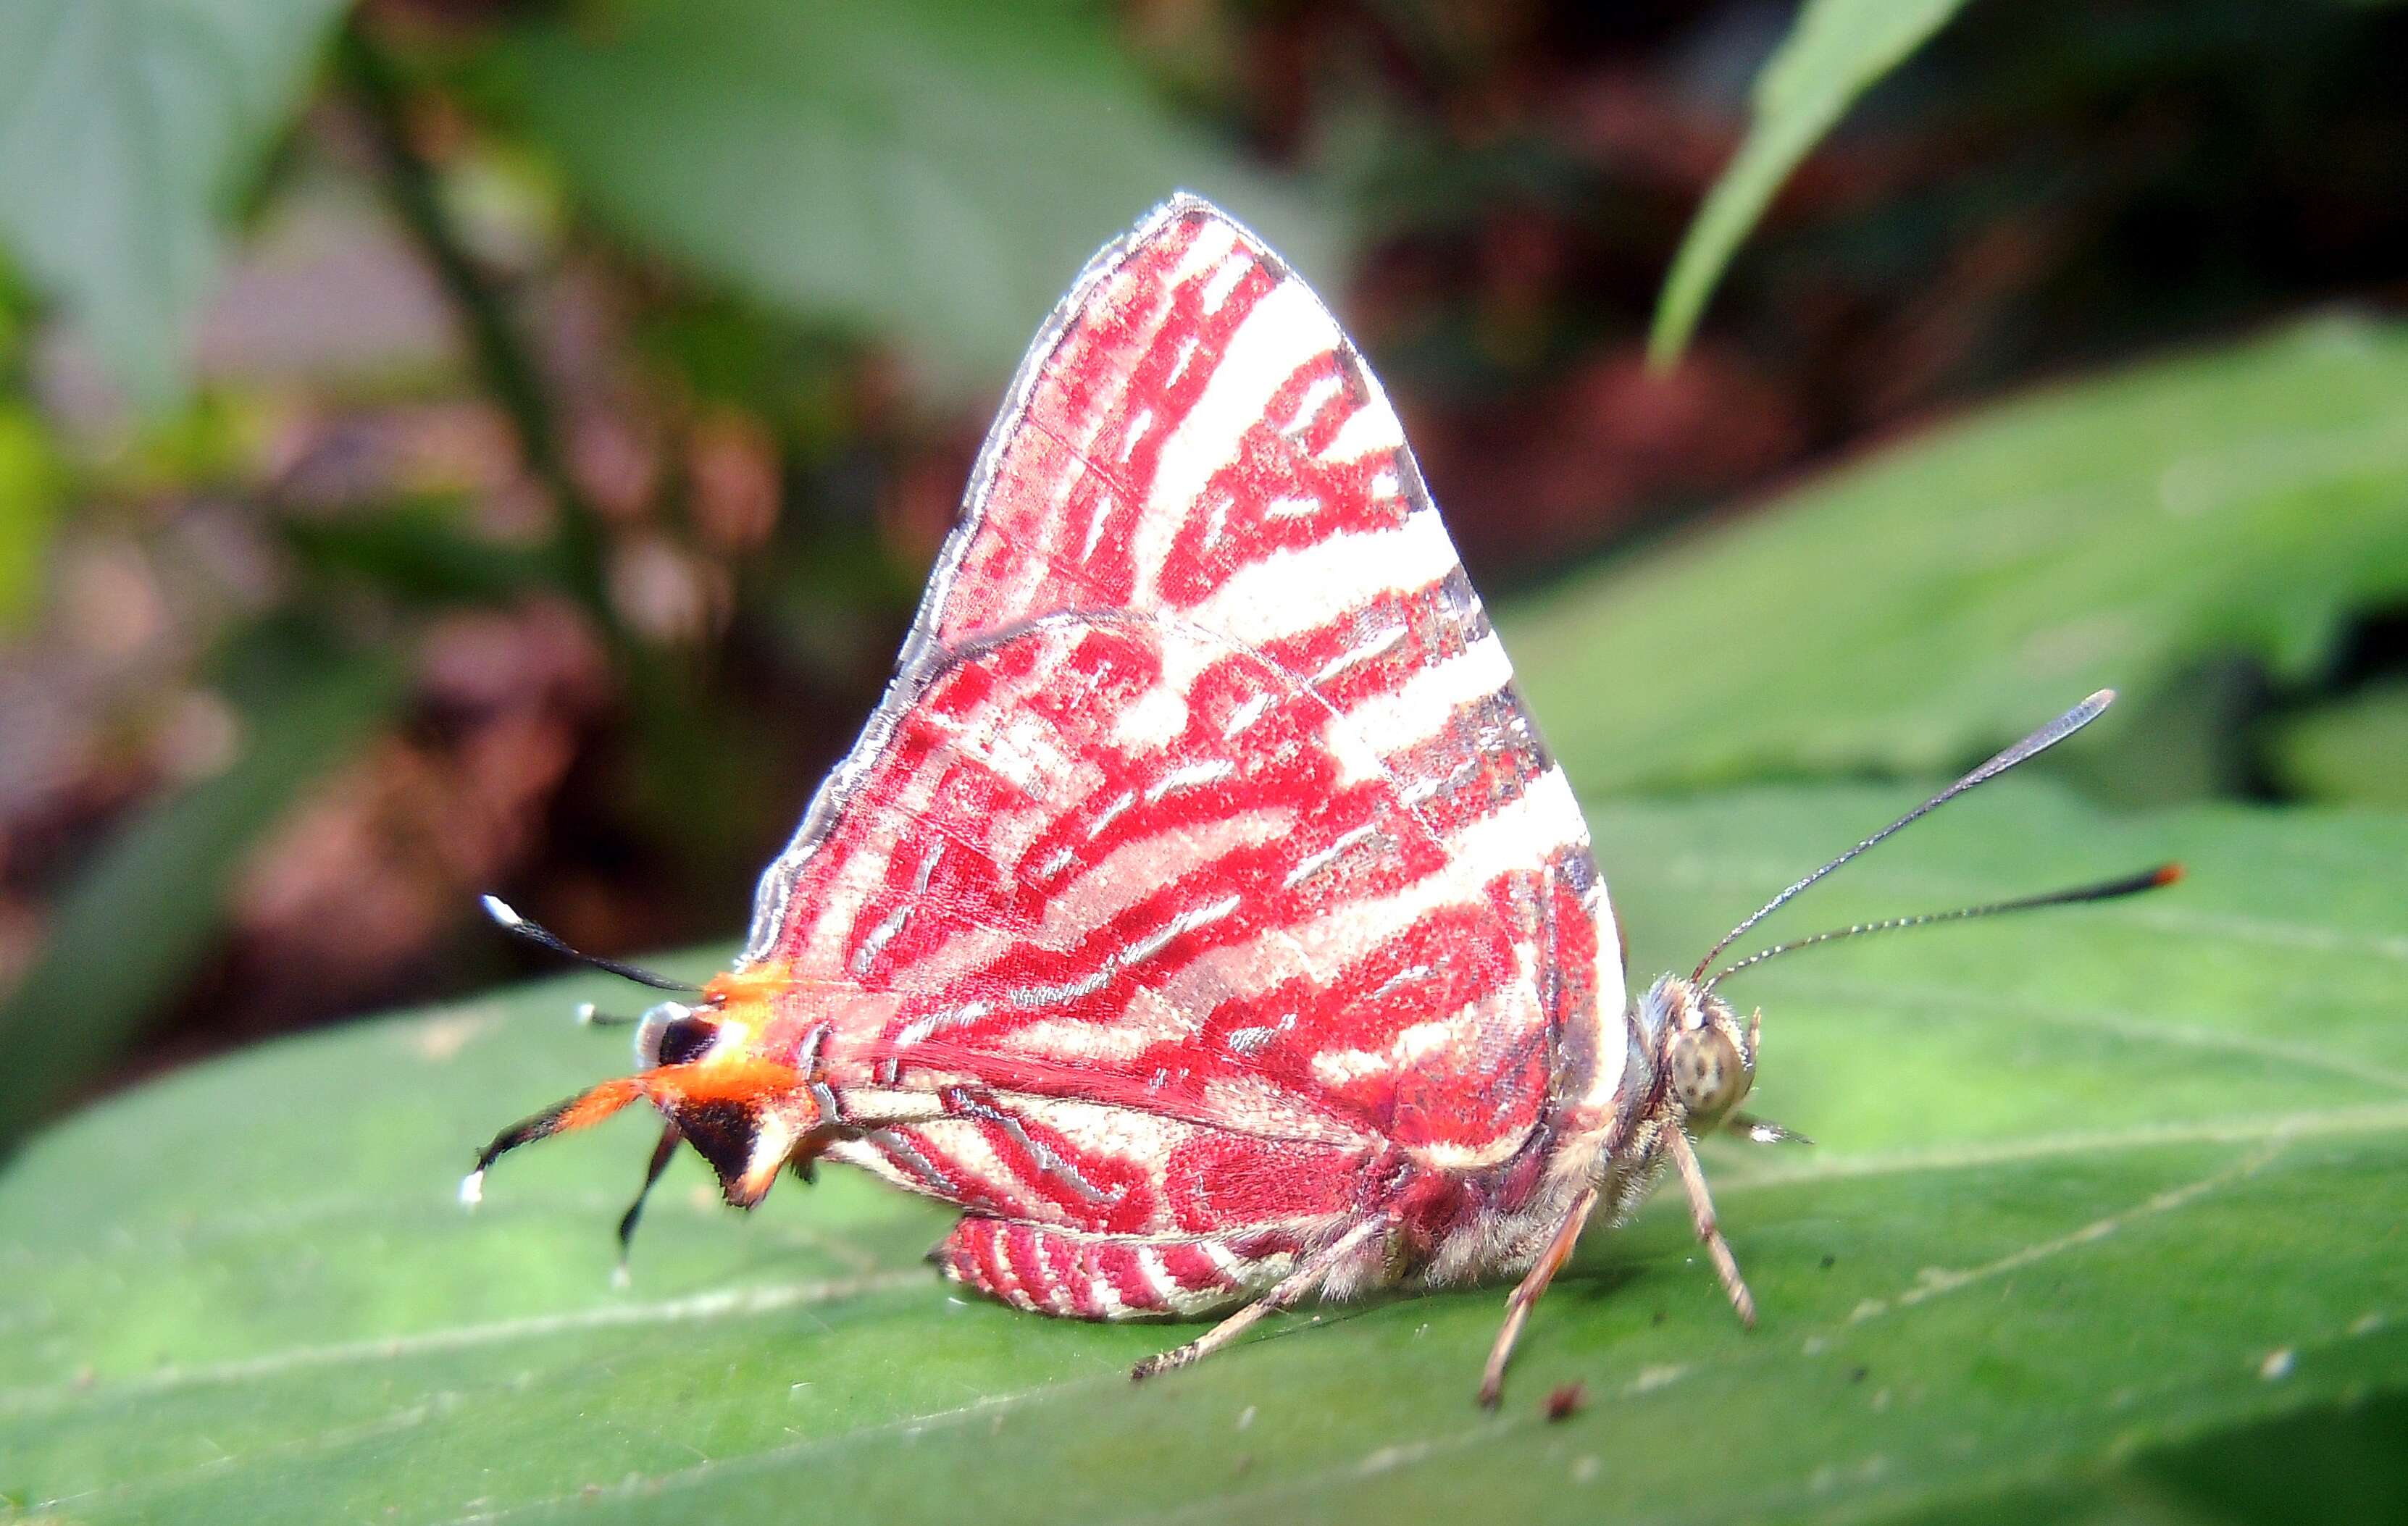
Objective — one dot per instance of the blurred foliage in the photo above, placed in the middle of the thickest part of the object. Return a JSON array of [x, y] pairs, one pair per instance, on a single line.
[[2090, 1213], [1923, 607], [28, 495], [29, 476], [1836, 51], [939, 164], [129, 131], [145, 911], [2354, 750]]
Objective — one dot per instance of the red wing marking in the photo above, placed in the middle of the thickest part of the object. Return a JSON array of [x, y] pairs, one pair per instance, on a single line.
[[1052, 1270], [1202, 820]]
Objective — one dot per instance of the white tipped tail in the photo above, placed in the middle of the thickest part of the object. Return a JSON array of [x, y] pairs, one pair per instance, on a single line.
[[472, 1187], [502, 911]]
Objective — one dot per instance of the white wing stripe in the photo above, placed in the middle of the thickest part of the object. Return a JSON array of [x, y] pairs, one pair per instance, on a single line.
[[1519, 835], [1215, 242], [1371, 427], [1393, 721], [1285, 329], [1289, 592]]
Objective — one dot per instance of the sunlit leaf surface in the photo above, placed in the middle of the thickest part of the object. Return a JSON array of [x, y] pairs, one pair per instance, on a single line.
[[2091, 1184]]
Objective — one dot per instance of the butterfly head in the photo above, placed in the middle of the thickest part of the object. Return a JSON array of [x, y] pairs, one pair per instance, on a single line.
[[699, 1062], [715, 1023], [1706, 1052]]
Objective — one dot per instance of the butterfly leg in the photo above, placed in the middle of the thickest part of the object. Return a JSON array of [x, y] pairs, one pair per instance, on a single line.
[[1702, 1215], [662, 1154], [1534, 1283], [1308, 1275]]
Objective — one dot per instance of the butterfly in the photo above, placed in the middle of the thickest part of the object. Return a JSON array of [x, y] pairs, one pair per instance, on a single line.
[[1199, 911]]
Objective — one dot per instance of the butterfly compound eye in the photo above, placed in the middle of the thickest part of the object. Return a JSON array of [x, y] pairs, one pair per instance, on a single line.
[[1707, 1073], [673, 1033]]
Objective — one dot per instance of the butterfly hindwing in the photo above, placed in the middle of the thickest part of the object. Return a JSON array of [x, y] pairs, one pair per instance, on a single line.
[[1202, 855]]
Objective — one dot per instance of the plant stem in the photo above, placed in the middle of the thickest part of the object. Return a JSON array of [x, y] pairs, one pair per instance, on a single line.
[[501, 353]]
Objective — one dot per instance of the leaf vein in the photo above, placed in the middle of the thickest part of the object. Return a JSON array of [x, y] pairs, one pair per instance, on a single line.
[[731, 1303]]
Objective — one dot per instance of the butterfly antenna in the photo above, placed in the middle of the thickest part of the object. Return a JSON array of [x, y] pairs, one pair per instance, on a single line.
[[2111, 890], [506, 917], [2038, 742]]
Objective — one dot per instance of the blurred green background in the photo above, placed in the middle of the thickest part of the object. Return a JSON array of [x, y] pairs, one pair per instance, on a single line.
[[466, 445]]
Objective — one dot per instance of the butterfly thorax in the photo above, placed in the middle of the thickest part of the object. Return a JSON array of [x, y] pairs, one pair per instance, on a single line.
[[1620, 1083], [1689, 1060]]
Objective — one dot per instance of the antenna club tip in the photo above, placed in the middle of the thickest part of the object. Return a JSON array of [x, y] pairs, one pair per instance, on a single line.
[[620, 1278], [2101, 699], [472, 1188], [584, 1014], [2168, 874], [501, 911]]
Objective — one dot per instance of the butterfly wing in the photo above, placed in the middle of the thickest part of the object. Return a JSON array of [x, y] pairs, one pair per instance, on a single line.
[[1202, 853]]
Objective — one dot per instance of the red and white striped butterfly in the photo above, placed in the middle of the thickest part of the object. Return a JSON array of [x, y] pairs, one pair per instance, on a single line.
[[1199, 911]]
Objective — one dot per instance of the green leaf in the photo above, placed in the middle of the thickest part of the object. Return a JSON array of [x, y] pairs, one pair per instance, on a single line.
[[1914, 609], [142, 914], [2094, 1188], [1837, 51], [128, 130], [932, 168], [2354, 753], [28, 509]]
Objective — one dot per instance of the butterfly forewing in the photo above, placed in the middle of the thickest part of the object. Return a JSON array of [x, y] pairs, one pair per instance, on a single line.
[[1190, 415], [1201, 857]]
